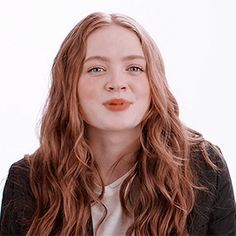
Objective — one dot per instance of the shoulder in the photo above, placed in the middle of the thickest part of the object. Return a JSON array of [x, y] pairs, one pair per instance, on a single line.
[[209, 166], [18, 173], [18, 176], [18, 200], [212, 151], [214, 211], [207, 162], [19, 169]]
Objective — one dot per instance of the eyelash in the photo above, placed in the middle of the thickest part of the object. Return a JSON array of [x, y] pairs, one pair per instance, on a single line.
[[136, 67], [98, 69]]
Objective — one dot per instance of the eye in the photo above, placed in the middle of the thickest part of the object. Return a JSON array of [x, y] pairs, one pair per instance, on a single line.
[[96, 69], [135, 69]]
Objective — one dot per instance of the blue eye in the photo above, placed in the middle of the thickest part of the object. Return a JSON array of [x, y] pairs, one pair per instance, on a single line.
[[135, 69], [96, 69]]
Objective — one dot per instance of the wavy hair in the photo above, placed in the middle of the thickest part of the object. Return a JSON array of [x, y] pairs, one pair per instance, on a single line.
[[63, 170]]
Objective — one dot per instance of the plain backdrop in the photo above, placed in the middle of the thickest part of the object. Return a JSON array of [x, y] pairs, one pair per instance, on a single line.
[[196, 38]]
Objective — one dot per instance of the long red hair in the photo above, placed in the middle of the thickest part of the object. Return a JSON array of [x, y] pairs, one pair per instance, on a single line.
[[63, 170]]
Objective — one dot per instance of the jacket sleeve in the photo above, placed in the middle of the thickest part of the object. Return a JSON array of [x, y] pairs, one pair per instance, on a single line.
[[17, 202], [223, 213], [214, 210]]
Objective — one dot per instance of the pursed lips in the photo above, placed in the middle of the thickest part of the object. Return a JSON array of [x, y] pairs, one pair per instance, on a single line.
[[117, 104]]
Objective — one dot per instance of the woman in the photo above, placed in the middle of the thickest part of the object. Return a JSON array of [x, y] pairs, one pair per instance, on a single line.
[[114, 157]]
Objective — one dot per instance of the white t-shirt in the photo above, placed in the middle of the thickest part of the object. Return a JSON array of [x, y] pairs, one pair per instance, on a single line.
[[115, 223]]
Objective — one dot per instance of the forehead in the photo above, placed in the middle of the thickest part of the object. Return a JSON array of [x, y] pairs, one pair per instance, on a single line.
[[113, 40]]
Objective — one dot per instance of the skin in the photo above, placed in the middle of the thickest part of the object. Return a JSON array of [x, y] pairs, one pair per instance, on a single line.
[[114, 67]]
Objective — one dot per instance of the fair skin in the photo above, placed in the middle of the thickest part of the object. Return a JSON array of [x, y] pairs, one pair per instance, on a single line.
[[114, 68]]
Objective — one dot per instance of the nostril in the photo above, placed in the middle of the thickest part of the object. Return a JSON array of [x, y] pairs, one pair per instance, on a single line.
[[112, 88]]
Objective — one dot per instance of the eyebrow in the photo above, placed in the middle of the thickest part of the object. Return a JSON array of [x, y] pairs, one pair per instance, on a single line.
[[106, 59]]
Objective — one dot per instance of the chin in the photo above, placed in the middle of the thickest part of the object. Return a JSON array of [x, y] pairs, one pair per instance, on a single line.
[[120, 126]]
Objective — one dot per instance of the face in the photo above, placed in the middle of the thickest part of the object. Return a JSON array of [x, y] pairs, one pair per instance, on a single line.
[[114, 92]]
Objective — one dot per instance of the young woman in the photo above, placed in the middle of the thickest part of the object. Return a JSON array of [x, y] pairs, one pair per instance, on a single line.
[[114, 157]]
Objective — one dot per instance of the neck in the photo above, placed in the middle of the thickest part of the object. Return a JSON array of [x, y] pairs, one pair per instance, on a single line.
[[114, 151]]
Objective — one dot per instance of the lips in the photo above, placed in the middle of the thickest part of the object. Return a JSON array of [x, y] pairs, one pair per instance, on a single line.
[[117, 104]]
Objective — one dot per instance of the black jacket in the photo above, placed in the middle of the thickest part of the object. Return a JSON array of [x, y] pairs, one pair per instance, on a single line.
[[214, 212]]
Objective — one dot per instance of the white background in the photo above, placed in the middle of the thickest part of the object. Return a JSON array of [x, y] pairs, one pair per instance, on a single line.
[[197, 39]]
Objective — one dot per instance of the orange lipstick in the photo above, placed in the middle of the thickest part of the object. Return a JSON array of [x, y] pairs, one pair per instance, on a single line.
[[117, 104]]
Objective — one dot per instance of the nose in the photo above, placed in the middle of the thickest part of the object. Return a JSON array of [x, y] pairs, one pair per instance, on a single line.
[[115, 87], [116, 83]]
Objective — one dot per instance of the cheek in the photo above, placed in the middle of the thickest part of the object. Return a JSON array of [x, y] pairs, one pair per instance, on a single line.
[[87, 91], [145, 91], [86, 98], [89, 96], [145, 96]]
